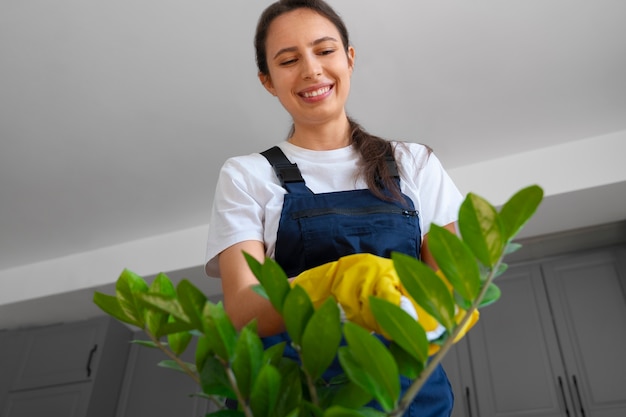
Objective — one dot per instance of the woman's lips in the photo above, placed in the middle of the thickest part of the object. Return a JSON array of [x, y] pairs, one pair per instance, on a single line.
[[316, 94]]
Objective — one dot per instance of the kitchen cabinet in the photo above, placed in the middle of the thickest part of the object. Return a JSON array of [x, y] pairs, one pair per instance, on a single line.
[[151, 390], [72, 369], [588, 300], [554, 343], [458, 368]]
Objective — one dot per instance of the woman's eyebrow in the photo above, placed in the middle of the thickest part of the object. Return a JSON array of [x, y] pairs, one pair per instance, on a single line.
[[315, 42]]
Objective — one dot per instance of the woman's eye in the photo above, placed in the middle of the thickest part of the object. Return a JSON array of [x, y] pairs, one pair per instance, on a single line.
[[288, 62], [327, 51]]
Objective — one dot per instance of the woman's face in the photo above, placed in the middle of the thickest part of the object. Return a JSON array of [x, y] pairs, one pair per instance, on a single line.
[[309, 70]]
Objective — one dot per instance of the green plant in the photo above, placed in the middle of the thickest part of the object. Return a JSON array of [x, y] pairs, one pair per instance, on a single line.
[[234, 364]]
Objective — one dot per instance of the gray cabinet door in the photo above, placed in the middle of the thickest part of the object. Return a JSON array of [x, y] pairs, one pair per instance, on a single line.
[[63, 401], [72, 369], [11, 344], [459, 370], [516, 362], [57, 355], [588, 298], [150, 390]]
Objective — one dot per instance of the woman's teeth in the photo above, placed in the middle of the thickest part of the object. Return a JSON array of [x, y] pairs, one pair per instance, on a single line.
[[317, 92]]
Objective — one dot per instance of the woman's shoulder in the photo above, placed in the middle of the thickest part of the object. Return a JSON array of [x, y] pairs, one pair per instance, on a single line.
[[246, 164], [250, 172], [248, 160], [411, 153]]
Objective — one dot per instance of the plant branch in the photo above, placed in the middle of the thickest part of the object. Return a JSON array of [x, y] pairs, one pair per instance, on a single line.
[[233, 383], [415, 387], [309, 381], [175, 358]]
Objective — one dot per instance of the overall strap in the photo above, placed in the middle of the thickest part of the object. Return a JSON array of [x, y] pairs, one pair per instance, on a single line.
[[288, 174], [391, 165]]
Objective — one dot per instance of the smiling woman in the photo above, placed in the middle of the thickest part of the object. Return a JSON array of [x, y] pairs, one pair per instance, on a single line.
[[329, 191]]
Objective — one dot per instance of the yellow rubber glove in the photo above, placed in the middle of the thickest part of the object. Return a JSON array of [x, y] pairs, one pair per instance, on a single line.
[[357, 277], [352, 279]]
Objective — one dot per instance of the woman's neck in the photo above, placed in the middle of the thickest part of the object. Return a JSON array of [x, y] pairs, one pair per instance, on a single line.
[[322, 137]]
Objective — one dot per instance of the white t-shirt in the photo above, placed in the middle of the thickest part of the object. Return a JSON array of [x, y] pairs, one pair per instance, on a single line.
[[249, 198]]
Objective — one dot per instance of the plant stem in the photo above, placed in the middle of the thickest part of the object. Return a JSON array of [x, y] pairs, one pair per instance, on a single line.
[[415, 387], [312, 390], [233, 383], [309, 381], [175, 358]]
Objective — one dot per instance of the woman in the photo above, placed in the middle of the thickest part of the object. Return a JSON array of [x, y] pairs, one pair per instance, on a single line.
[[328, 165]]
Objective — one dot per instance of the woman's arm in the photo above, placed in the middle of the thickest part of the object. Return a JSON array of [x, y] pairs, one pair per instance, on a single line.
[[241, 303], [427, 257]]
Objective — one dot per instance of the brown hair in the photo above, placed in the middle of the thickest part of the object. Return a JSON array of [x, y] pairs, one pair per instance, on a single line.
[[372, 149]]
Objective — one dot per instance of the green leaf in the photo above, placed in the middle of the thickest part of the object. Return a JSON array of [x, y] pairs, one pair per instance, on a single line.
[[502, 268], [519, 209], [156, 318], [307, 408], [348, 394], [485, 272], [359, 376], [247, 360], [290, 389], [407, 364], [461, 302], [175, 326], [192, 300], [339, 411], [203, 351], [402, 328], [321, 339], [170, 364], [491, 296], [219, 331], [455, 260], [511, 247], [213, 379], [258, 288], [110, 305], [162, 285], [166, 304], [178, 342], [145, 343], [265, 391], [297, 311], [274, 354], [127, 288], [482, 229], [294, 413], [369, 364], [273, 279], [426, 288]]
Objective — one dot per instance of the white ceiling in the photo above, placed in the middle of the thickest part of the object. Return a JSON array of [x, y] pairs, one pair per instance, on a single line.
[[116, 116]]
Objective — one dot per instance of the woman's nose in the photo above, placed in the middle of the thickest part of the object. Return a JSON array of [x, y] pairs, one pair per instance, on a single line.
[[311, 68]]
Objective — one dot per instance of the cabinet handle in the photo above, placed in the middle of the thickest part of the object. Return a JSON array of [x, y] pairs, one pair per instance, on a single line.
[[91, 353], [582, 409], [469, 402], [564, 399]]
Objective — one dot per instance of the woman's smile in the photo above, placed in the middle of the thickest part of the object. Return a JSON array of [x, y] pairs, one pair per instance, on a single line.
[[316, 94]]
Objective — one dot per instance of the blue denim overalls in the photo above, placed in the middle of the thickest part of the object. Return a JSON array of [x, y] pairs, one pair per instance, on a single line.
[[318, 228]]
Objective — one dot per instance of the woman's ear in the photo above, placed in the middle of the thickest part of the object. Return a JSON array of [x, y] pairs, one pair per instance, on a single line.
[[351, 57], [267, 83]]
